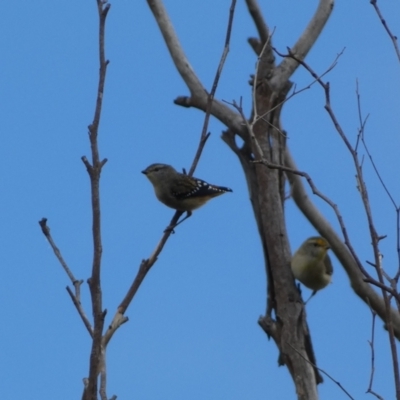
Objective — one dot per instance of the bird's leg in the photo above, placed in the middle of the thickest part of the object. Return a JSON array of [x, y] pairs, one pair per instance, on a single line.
[[312, 294], [298, 288], [171, 228], [188, 214]]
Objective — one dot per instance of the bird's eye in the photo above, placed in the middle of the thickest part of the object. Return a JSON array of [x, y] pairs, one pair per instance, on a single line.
[[156, 169]]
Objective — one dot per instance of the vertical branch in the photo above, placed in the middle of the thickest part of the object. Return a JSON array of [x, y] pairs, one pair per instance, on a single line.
[[94, 171], [256, 14], [377, 255], [371, 344], [267, 141]]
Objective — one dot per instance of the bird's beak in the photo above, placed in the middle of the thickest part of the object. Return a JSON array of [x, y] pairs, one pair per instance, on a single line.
[[144, 172]]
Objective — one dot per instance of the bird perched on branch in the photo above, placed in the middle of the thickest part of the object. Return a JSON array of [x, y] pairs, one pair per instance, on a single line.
[[180, 191], [311, 264]]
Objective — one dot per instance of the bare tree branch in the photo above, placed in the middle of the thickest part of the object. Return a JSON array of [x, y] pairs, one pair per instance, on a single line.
[[57, 252], [77, 303], [94, 171], [371, 343], [171, 40], [325, 373], [266, 140], [256, 14], [377, 255], [393, 38], [210, 98], [394, 281], [198, 93], [75, 297]]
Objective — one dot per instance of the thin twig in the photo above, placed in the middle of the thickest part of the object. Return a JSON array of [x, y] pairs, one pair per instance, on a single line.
[[393, 38], [378, 257], [57, 252], [296, 92], [387, 277], [211, 95], [396, 207], [144, 268], [371, 343], [303, 45], [80, 310], [76, 297], [382, 286], [376, 395], [326, 88], [325, 373]]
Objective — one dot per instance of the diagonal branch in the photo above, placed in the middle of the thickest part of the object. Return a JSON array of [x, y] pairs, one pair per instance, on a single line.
[[210, 98], [393, 37], [198, 93], [146, 264], [57, 252], [325, 373], [75, 297]]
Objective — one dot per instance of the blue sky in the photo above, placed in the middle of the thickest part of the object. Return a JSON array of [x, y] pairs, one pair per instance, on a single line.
[[192, 330]]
